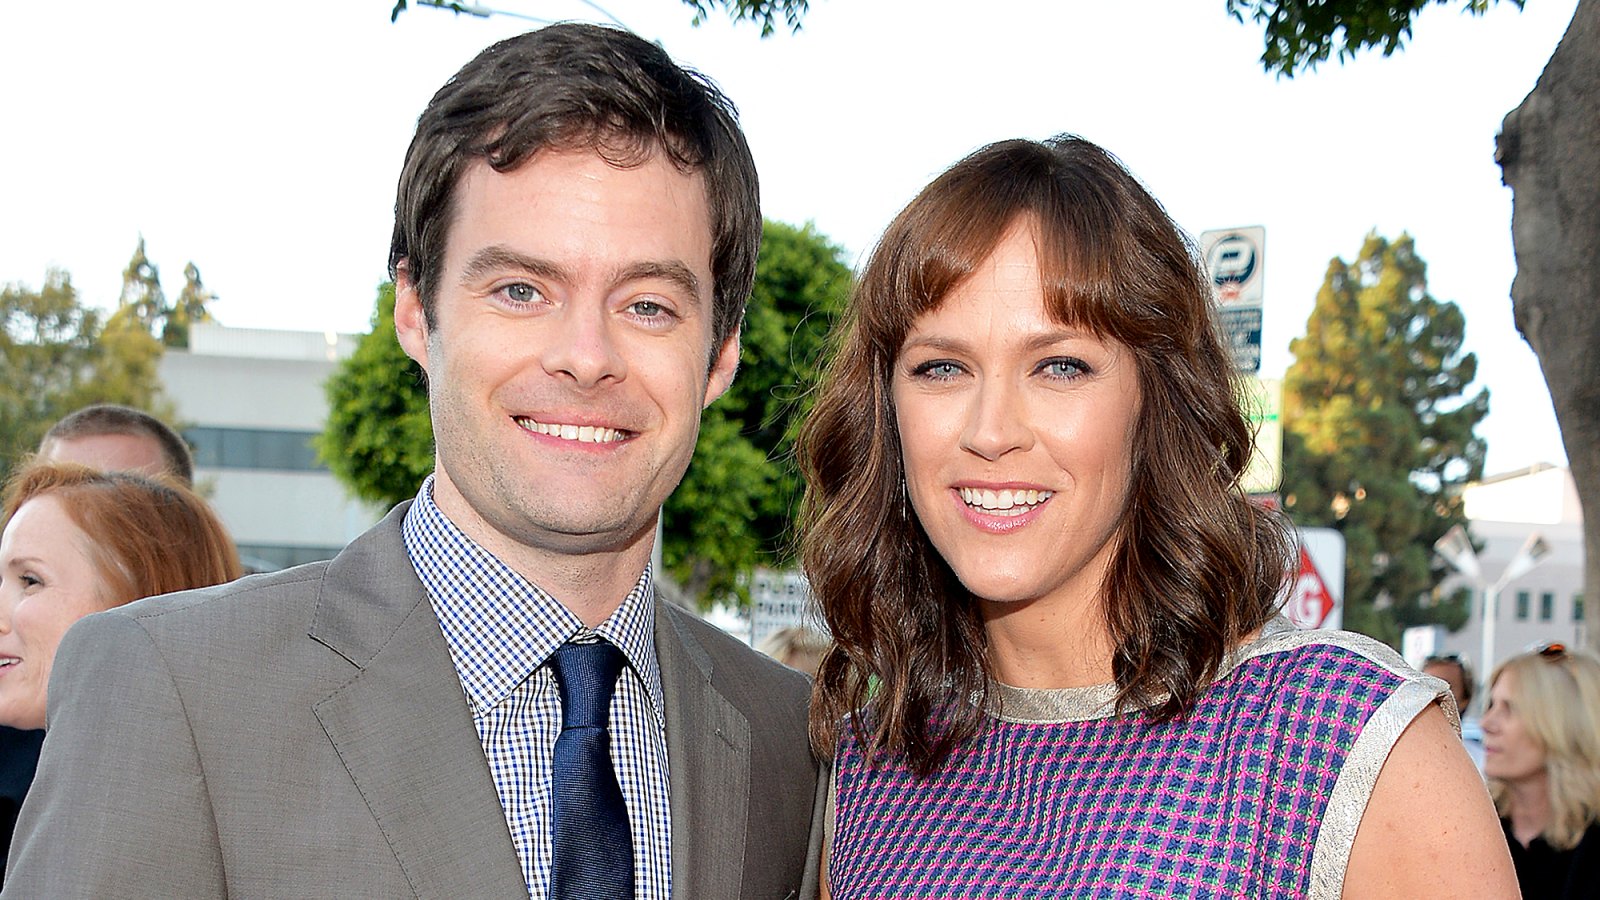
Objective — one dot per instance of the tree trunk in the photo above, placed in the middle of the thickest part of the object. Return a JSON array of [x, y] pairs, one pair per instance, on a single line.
[[1549, 154]]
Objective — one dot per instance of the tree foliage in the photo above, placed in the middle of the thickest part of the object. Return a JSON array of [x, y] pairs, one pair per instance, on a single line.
[[1302, 33], [378, 439], [146, 303], [142, 296], [58, 356], [765, 13], [192, 306], [734, 509], [1379, 433]]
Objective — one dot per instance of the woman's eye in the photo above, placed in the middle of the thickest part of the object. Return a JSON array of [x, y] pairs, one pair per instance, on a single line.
[[1064, 368], [938, 370]]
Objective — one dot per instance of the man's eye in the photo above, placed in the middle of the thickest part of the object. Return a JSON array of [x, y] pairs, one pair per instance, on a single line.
[[650, 309], [521, 293]]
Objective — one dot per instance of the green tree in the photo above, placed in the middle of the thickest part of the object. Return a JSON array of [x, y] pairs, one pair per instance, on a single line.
[[57, 357], [733, 511], [1302, 33], [191, 307], [378, 439], [735, 508], [1549, 155], [141, 291], [1379, 433], [145, 301]]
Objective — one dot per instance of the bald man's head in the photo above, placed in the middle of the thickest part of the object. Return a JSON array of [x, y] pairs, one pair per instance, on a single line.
[[119, 438]]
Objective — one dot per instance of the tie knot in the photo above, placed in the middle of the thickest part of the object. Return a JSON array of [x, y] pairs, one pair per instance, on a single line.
[[586, 676]]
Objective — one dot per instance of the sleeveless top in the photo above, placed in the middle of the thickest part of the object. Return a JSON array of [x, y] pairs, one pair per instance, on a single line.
[[1256, 793]]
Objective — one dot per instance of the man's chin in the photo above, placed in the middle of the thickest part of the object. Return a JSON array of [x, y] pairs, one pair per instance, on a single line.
[[577, 536]]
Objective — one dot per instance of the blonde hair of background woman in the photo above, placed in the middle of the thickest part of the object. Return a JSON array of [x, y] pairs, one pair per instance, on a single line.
[[1558, 701]]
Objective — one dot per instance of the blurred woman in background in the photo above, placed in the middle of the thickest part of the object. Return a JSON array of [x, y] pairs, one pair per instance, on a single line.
[[1541, 742], [798, 647], [78, 541]]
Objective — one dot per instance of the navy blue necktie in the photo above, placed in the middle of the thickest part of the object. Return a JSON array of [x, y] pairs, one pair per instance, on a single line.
[[592, 846]]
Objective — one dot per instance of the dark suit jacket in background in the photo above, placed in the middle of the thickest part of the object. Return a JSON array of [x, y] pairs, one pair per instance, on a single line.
[[304, 734], [19, 754]]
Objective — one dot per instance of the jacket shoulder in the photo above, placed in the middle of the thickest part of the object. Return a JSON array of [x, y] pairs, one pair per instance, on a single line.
[[733, 666]]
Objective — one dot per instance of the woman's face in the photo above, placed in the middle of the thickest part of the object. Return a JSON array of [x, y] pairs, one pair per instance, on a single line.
[[1017, 434], [47, 582], [1510, 752]]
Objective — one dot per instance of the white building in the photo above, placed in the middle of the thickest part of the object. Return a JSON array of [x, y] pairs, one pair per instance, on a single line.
[[250, 402], [1547, 603]]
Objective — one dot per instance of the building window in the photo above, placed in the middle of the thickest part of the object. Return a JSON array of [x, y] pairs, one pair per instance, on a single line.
[[270, 557], [1524, 600], [254, 448], [1547, 606], [1577, 607]]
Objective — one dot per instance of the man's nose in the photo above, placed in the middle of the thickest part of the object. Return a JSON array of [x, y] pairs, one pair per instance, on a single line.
[[584, 347]]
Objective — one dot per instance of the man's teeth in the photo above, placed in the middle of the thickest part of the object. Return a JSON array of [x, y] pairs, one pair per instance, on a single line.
[[1006, 503], [583, 434]]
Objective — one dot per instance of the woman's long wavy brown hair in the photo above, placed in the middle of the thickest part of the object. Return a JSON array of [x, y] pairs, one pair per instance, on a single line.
[[1197, 565]]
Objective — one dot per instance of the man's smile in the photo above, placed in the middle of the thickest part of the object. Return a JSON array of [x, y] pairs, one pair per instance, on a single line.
[[583, 434]]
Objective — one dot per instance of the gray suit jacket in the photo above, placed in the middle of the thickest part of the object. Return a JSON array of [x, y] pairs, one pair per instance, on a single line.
[[304, 734]]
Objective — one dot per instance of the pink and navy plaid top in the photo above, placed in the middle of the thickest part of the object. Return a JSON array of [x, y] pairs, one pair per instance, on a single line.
[[1257, 793]]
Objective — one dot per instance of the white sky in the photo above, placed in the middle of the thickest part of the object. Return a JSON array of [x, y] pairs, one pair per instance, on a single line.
[[262, 141]]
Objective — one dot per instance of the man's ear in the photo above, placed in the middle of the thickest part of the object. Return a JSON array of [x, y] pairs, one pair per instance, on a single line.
[[723, 367], [410, 320]]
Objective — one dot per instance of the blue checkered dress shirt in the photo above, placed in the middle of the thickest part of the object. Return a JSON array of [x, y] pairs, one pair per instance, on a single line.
[[502, 629]]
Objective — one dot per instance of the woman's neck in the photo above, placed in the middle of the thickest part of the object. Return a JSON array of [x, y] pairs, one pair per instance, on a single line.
[[1048, 643], [1529, 811]]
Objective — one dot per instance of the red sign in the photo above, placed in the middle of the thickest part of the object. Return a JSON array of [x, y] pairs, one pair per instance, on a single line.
[[1309, 600]]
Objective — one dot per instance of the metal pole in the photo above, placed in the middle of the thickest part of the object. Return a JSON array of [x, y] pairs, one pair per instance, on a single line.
[[1491, 614]]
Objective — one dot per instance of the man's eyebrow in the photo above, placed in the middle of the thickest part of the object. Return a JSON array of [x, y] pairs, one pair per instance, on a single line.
[[499, 258], [667, 270]]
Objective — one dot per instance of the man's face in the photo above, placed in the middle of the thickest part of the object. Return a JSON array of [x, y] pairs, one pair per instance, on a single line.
[[568, 360], [1450, 673], [110, 452]]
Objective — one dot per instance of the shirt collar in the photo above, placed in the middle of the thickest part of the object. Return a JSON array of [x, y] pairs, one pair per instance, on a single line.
[[500, 626]]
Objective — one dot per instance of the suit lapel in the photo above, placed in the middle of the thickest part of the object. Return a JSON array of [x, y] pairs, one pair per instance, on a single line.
[[708, 752], [403, 730]]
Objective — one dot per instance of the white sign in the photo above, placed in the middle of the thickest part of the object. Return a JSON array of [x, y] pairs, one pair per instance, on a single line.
[[1314, 590], [1235, 259], [777, 600], [1263, 403]]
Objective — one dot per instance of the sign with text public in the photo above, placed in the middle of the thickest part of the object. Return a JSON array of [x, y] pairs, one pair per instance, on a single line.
[[777, 600], [1234, 259]]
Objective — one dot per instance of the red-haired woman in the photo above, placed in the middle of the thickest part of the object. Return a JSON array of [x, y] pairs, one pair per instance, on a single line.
[[79, 541]]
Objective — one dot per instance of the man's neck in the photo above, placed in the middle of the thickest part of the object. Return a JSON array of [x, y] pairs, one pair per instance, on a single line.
[[591, 586], [591, 583]]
